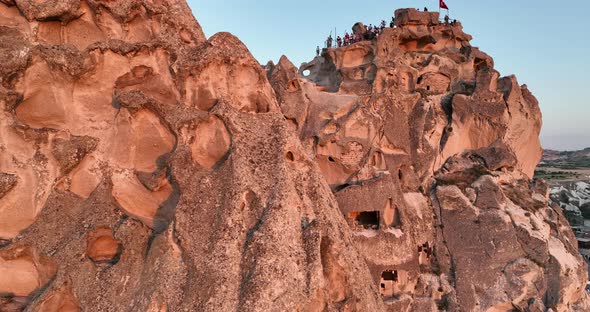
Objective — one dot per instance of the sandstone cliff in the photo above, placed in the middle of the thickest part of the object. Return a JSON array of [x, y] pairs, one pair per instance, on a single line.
[[146, 168]]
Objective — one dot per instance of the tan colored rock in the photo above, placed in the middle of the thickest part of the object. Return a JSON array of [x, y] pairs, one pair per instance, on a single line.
[[210, 142], [101, 246], [381, 176], [69, 152], [13, 47], [80, 32], [284, 77], [85, 178], [497, 156], [137, 200], [141, 139], [526, 233], [21, 201], [210, 81], [359, 28], [405, 17], [60, 300], [65, 11], [45, 98], [7, 183], [437, 113], [24, 271], [13, 304]]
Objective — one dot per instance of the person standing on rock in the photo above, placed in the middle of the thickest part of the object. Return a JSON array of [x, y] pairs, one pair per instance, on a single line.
[[392, 24], [339, 41], [446, 20], [346, 39], [317, 51], [329, 42]]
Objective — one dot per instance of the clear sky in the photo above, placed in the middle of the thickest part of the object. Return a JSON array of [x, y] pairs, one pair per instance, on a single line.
[[545, 43]]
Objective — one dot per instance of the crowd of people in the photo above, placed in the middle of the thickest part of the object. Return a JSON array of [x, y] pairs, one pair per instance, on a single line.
[[371, 32]]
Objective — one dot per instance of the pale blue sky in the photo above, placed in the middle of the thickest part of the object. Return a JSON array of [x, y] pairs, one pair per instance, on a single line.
[[545, 43]]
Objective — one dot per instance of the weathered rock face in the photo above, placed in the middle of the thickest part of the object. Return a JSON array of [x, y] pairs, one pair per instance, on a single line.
[[510, 242], [24, 271], [147, 168], [101, 246], [429, 153]]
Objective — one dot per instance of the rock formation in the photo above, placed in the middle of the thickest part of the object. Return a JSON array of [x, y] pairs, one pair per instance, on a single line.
[[429, 153], [102, 247], [146, 168]]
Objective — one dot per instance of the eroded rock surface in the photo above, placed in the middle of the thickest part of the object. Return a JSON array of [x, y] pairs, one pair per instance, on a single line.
[[102, 247], [7, 183], [60, 300], [143, 165], [429, 153], [24, 272]]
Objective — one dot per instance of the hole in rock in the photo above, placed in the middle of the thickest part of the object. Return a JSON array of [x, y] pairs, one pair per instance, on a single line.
[[479, 64], [375, 159], [293, 85], [425, 252], [367, 219], [389, 275], [400, 175], [397, 222], [331, 159], [391, 280], [306, 73], [290, 156]]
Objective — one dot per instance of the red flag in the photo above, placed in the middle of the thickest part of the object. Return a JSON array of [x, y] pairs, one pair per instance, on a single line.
[[443, 5]]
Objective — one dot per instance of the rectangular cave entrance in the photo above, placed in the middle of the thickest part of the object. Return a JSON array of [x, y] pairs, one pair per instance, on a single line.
[[388, 280], [368, 220], [424, 253]]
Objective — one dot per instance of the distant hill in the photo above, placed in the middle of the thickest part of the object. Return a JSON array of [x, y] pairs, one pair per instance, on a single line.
[[566, 160], [558, 167]]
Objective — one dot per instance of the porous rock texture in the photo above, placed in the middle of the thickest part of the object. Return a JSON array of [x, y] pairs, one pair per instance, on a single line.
[[146, 168]]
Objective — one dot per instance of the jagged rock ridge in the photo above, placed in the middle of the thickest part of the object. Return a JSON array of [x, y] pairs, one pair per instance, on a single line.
[[144, 167]]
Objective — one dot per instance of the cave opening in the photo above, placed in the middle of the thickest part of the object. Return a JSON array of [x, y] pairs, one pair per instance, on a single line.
[[389, 275], [368, 220], [397, 220], [389, 280]]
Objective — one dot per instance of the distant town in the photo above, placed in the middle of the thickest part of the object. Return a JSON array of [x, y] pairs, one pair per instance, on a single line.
[[568, 174]]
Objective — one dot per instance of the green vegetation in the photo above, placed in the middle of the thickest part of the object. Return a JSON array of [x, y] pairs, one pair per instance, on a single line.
[[556, 175], [564, 166]]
